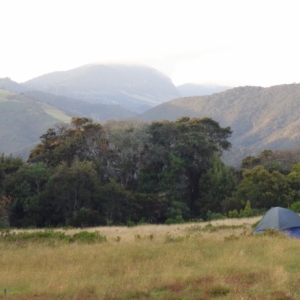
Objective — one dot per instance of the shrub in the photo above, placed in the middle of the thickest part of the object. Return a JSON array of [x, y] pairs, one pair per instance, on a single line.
[[176, 220], [233, 214], [36, 236], [247, 211], [295, 207], [130, 223], [88, 237], [214, 216], [84, 217]]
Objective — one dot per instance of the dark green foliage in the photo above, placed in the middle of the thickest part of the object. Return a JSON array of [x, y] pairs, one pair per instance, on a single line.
[[116, 203], [120, 173], [214, 216], [295, 207], [83, 139], [231, 203], [88, 237], [71, 188], [264, 190], [127, 173], [178, 154], [218, 183], [84, 217], [246, 213], [177, 220], [233, 214]]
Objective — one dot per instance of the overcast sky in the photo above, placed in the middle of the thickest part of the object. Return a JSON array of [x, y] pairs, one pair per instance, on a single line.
[[223, 42]]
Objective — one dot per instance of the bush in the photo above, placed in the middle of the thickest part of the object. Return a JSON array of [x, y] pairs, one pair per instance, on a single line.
[[177, 220], [233, 214], [84, 217], [88, 237], [246, 213], [214, 216], [130, 224], [295, 207]]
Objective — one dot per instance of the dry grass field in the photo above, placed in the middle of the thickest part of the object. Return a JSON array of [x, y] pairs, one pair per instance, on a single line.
[[217, 260]]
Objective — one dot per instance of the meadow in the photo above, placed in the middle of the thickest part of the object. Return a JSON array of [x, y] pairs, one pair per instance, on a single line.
[[217, 260]]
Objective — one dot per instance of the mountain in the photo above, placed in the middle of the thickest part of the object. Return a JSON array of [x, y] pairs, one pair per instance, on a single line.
[[23, 121], [261, 118], [191, 89], [12, 86], [72, 107], [26, 116], [136, 88]]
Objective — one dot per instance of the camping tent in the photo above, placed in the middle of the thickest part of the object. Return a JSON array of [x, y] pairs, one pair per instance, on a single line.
[[281, 219]]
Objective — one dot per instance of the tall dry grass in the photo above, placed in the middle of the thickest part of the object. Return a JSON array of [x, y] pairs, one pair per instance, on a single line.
[[186, 261]]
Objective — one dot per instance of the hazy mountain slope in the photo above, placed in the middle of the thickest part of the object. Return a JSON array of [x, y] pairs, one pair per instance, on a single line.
[[74, 107], [136, 88], [12, 86], [259, 117], [191, 89], [23, 121]]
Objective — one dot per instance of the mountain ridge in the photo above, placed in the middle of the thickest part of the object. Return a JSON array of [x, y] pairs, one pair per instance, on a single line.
[[259, 117]]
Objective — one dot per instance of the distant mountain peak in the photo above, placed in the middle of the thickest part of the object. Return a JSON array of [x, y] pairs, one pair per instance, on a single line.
[[131, 86]]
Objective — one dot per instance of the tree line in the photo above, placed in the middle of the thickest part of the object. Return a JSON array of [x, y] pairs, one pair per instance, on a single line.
[[129, 172]]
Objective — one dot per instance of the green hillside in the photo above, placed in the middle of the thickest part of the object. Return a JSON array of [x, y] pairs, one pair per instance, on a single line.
[[23, 120]]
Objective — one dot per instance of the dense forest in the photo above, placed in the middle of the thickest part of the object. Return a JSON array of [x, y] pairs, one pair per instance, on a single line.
[[130, 172]]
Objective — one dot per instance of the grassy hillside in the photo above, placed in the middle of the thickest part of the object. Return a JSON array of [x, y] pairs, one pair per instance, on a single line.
[[23, 121], [217, 260], [261, 118]]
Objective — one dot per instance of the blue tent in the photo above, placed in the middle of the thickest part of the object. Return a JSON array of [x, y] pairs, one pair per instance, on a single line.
[[281, 219]]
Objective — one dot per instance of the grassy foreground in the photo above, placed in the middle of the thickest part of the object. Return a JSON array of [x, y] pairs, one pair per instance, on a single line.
[[177, 262]]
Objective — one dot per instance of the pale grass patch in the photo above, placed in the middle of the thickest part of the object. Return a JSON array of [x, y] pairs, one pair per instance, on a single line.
[[128, 233], [193, 264]]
